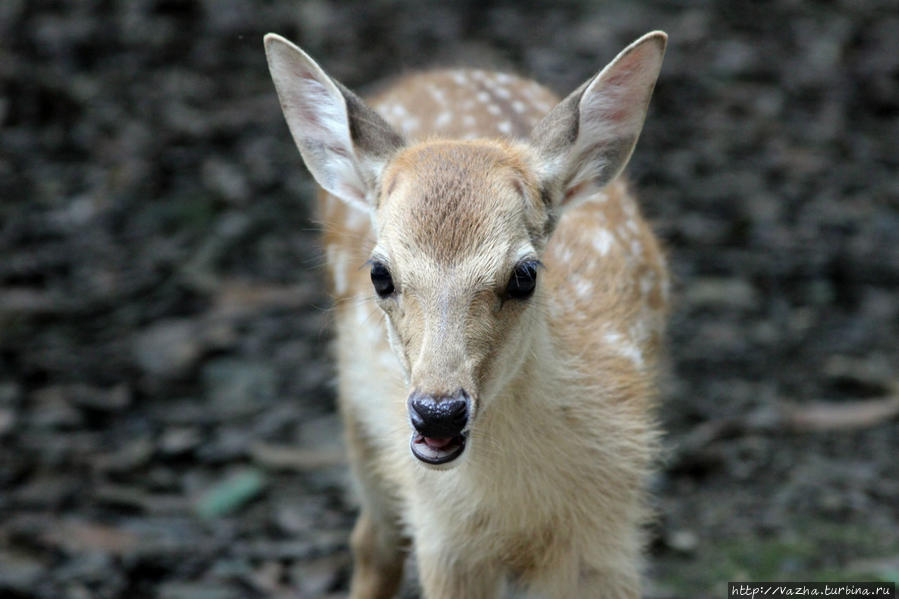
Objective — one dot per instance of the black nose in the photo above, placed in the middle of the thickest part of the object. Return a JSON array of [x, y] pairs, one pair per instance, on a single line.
[[438, 417]]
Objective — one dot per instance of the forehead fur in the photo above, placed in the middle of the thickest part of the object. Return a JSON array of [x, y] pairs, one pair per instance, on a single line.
[[452, 197]]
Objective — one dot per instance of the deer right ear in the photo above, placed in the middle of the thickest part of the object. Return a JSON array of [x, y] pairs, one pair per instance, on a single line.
[[344, 143], [587, 139]]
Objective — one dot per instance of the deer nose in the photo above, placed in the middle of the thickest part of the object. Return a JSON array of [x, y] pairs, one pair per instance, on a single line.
[[439, 417]]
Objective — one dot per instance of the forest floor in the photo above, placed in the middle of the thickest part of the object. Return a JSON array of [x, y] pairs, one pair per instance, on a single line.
[[167, 424]]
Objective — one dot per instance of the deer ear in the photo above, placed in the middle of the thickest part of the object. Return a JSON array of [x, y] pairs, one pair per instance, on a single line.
[[587, 139], [344, 143]]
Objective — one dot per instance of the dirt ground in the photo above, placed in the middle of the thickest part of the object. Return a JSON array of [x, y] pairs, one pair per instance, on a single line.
[[167, 423]]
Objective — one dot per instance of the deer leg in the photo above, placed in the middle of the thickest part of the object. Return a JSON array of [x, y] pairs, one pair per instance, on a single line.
[[446, 577], [378, 555]]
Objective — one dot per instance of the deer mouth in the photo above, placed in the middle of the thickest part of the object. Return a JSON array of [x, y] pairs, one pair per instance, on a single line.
[[437, 451]]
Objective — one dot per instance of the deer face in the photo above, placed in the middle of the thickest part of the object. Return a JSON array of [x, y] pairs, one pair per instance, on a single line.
[[456, 270]]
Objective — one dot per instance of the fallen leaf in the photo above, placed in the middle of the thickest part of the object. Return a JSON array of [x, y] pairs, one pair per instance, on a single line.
[[281, 457], [821, 416], [231, 494]]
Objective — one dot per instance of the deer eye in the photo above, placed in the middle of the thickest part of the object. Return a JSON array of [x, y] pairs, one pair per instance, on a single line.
[[523, 280], [381, 279]]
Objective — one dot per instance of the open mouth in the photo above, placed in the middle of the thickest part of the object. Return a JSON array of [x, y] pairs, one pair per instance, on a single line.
[[437, 451]]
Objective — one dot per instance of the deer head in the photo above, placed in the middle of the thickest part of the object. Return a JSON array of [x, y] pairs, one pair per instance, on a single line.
[[461, 225]]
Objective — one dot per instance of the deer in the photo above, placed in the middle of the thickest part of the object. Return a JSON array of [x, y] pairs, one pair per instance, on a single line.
[[500, 306]]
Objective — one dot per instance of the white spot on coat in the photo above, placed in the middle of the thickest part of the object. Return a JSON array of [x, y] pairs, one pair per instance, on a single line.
[[410, 124], [602, 241], [636, 247], [583, 287], [438, 94], [443, 119], [339, 262], [625, 348], [647, 282]]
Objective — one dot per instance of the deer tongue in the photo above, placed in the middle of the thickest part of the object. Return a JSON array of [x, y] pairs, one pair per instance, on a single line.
[[438, 443]]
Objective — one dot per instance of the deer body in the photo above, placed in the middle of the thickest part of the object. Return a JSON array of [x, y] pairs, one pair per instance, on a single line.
[[514, 326]]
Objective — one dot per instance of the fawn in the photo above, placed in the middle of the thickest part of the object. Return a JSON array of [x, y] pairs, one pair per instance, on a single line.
[[500, 307]]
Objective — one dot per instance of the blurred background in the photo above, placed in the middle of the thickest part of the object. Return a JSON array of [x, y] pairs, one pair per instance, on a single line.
[[167, 423]]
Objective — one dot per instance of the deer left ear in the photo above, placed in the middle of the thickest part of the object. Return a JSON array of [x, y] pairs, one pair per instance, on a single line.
[[587, 139], [344, 143]]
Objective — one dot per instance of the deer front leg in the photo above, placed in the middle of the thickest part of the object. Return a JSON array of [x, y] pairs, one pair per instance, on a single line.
[[378, 544], [378, 557], [620, 581], [610, 585], [444, 576], [569, 574]]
